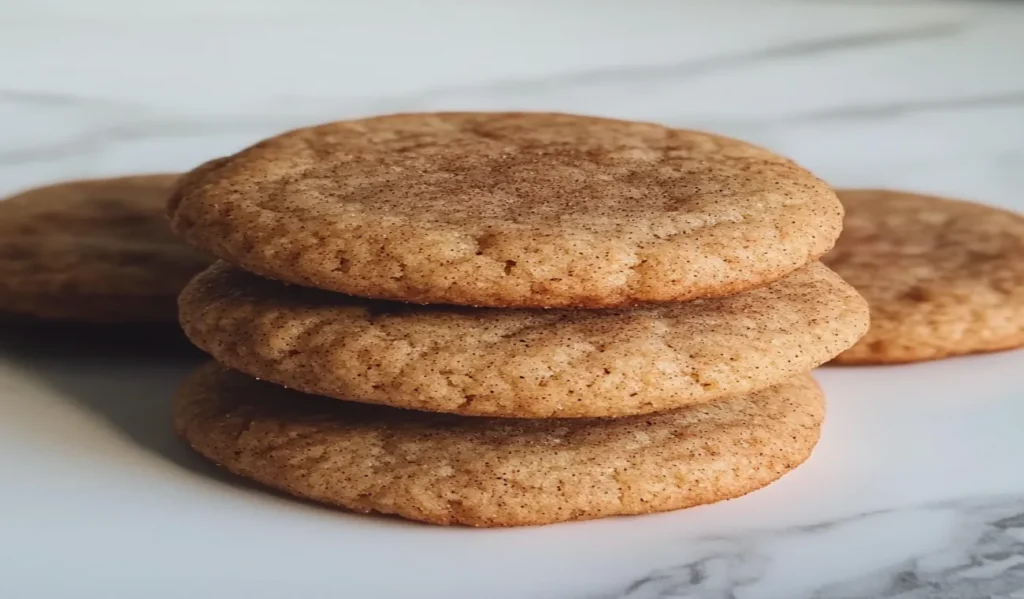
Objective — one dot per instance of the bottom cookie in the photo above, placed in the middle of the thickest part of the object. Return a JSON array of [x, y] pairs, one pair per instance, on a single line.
[[446, 469]]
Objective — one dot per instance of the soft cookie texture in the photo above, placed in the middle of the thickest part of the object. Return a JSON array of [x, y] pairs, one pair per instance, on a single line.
[[93, 251], [496, 472], [509, 210], [942, 277], [522, 363]]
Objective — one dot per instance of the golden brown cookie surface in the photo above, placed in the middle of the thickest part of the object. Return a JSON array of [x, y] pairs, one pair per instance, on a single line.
[[522, 363], [96, 251], [942, 277], [496, 472], [509, 210]]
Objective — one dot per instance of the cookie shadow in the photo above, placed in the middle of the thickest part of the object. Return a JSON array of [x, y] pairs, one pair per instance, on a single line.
[[125, 374]]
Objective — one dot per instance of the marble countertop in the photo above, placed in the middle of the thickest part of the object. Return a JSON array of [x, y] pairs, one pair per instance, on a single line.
[[917, 488]]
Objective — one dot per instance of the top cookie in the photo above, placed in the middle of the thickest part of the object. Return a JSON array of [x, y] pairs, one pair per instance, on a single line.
[[93, 251], [509, 210], [942, 277]]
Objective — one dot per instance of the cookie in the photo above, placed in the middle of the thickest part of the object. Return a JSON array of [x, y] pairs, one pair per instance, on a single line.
[[93, 251], [447, 469], [942, 277], [509, 210], [522, 363]]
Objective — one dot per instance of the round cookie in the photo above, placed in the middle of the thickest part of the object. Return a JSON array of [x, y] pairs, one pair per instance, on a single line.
[[522, 363], [509, 210], [93, 251], [496, 472], [942, 277]]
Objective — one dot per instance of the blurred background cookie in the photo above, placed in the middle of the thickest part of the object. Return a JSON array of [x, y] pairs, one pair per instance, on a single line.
[[97, 251], [943, 277]]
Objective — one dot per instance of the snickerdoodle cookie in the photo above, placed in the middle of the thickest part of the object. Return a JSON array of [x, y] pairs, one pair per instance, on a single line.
[[942, 277], [93, 251], [522, 363], [496, 472], [509, 210]]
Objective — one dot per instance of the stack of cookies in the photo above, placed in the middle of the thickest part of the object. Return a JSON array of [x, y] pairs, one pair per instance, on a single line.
[[509, 319]]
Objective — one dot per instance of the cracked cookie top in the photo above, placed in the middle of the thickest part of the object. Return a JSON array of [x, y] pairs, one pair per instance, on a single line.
[[522, 363], [942, 277], [94, 251], [496, 472], [509, 210]]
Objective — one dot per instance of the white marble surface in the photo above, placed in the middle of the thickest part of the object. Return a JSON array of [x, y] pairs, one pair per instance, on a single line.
[[917, 489]]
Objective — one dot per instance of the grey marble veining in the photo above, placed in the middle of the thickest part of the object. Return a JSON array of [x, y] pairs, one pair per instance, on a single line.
[[960, 550]]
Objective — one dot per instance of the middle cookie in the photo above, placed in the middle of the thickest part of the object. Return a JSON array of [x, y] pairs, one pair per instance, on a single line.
[[522, 363]]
